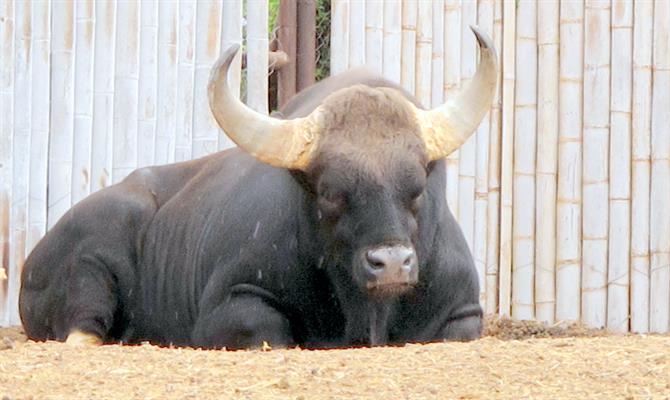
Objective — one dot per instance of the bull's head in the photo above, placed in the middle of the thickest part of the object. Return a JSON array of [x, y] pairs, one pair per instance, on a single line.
[[365, 153]]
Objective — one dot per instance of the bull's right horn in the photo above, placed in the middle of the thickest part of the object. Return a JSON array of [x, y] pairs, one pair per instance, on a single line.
[[281, 143], [447, 127]]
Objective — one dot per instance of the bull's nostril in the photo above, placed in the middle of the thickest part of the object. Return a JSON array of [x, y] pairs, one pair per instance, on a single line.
[[374, 261], [407, 261]]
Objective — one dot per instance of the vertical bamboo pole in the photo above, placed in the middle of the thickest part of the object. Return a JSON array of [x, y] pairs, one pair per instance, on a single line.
[[392, 40], [83, 101], [126, 90], [103, 93], [207, 49], [374, 36], [357, 34], [40, 114], [18, 204], [339, 36], [185, 77], [620, 155], [408, 51], [525, 131], [166, 103], [7, 61], [569, 197], [232, 34], [547, 152], [437, 65], [257, 55], [148, 84], [493, 206], [596, 110], [452, 83], [507, 158], [659, 227], [60, 135], [485, 21], [424, 51], [641, 166], [467, 152]]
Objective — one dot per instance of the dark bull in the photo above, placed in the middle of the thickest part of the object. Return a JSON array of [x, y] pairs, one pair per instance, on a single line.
[[327, 228]]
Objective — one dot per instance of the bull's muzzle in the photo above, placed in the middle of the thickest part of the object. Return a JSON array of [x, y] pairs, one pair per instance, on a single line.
[[391, 269]]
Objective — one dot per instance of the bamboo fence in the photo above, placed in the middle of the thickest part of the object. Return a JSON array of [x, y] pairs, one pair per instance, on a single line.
[[562, 192]]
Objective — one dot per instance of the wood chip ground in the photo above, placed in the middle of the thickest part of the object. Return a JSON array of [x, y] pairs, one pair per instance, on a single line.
[[514, 360]]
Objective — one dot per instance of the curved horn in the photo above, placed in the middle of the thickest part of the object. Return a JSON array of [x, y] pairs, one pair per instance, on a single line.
[[281, 143], [447, 127]]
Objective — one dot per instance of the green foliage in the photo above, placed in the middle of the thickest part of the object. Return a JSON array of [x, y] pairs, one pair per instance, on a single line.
[[322, 39]]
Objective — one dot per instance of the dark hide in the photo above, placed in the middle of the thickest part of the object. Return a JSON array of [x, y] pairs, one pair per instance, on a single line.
[[225, 251]]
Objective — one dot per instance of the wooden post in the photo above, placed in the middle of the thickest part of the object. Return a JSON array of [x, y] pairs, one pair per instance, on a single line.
[[595, 172], [620, 155], [659, 228], [568, 203], [287, 42], [547, 152], [452, 83], [306, 44], [641, 165], [507, 157], [493, 206], [525, 134]]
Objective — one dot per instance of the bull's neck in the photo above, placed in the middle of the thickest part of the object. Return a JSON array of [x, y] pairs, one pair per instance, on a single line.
[[366, 319]]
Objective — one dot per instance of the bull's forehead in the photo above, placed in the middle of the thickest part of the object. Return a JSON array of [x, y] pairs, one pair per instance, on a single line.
[[369, 117]]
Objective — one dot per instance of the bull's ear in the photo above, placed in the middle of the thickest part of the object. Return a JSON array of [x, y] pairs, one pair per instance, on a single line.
[[281, 143], [447, 127]]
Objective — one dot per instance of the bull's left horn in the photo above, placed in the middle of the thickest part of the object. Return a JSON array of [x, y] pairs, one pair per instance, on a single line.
[[447, 127], [281, 143]]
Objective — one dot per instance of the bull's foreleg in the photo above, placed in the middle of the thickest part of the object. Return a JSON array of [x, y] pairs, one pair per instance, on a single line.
[[91, 303], [244, 320], [463, 325]]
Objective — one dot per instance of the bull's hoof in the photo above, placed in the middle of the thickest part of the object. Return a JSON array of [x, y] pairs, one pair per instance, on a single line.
[[78, 338]]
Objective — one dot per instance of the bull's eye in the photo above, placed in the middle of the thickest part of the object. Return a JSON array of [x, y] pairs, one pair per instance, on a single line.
[[416, 202], [331, 206]]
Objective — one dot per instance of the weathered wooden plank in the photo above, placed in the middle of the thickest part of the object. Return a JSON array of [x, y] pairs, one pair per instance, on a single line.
[[374, 36], [595, 172], [148, 83], [659, 196], [232, 34], [357, 34], [525, 143], [392, 40], [257, 55], [493, 206], [39, 126], [547, 160], [185, 77], [408, 50], [207, 48], [452, 82], [166, 103], [103, 93], [60, 130], [507, 157], [339, 36], [641, 165], [424, 52], [618, 275], [7, 62], [468, 151], [485, 11], [569, 198], [83, 100]]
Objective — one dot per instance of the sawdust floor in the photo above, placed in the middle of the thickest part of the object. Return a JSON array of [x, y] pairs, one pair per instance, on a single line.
[[514, 360]]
